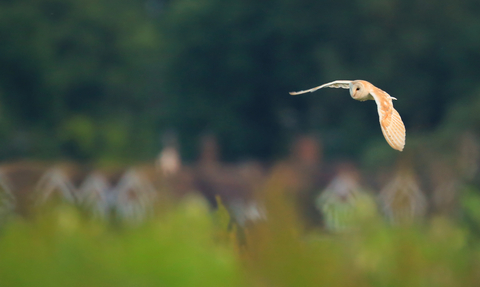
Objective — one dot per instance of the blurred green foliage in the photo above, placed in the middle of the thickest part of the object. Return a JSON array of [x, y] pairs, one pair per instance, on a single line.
[[73, 78], [62, 247], [186, 244], [101, 80]]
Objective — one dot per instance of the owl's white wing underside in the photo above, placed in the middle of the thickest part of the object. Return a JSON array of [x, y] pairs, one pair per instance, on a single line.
[[335, 84], [391, 123]]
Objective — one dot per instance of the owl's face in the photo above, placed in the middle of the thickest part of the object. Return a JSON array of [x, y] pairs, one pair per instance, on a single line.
[[358, 91]]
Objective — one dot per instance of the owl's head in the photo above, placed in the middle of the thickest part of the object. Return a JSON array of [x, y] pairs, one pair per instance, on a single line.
[[359, 91]]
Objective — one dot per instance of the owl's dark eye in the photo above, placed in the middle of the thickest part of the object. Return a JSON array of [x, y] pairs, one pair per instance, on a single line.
[[357, 89]]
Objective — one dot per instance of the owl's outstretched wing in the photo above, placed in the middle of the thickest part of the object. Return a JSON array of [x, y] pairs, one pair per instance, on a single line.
[[335, 84], [391, 123]]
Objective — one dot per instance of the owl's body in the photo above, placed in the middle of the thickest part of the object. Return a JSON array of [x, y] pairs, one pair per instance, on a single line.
[[391, 123]]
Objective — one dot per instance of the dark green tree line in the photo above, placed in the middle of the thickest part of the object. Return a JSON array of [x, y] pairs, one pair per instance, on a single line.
[[237, 61], [102, 79], [74, 77]]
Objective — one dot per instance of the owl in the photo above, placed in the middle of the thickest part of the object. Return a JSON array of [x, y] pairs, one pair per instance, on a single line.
[[391, 123]]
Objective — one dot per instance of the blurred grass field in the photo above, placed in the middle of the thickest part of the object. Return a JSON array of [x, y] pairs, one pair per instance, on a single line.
[[186, 243]]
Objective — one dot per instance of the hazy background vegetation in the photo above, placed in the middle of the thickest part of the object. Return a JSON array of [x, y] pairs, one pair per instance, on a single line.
[[103, 80], [90, 88]]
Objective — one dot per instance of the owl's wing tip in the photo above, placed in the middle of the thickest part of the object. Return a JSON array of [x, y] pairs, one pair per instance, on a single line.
[[301, 92], [394, 142], [395, 135]]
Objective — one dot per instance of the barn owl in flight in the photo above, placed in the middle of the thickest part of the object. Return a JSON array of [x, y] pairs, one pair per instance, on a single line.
[[390, 121]]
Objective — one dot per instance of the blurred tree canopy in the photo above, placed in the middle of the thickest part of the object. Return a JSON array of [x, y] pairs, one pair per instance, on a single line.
[[74, 78], [102, 79]]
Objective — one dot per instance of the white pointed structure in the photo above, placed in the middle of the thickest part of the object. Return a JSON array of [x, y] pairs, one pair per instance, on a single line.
[[134, 197], [94, 194], [53, 183], [445, 184], [7, 200], [342, 199], [402, 199]]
